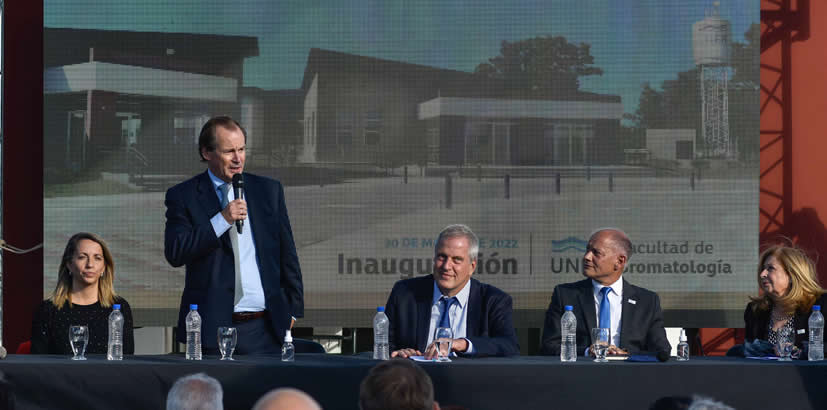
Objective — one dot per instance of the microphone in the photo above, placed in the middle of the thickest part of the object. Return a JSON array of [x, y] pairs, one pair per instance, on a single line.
[[238, 191]]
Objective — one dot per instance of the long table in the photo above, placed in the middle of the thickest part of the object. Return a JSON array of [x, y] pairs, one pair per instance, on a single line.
[[142, 382]]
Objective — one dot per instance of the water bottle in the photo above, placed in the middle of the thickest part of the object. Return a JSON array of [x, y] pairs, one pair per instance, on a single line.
[[816, 327], [114, 350], [568, 327], [193, 334], [381, 324], [288, 351], [683, 347]]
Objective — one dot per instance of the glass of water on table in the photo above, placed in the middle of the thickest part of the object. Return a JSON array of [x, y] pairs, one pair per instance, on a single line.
[[78, 338], [443, 337], [227, 339], [600, 343]]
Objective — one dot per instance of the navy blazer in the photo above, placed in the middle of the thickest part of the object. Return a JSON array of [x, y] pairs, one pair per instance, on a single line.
[[641, 321], [189, 239], [488, 325]]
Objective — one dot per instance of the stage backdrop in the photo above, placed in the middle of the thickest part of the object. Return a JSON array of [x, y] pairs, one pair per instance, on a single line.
[[534, 123]]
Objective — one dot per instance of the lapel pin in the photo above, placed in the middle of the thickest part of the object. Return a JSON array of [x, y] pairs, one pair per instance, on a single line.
[[632, 301]]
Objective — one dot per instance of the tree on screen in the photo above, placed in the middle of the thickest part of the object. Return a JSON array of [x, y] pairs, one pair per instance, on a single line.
[[676, 105], [744, 93], [544, 64], [746, 59]]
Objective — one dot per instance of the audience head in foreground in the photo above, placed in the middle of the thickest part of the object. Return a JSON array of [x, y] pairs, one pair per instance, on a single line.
[[688, 403], [397, 384], [195, 392], [286, 398]]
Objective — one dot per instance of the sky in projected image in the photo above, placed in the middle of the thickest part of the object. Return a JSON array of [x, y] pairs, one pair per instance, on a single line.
[[632, 41]]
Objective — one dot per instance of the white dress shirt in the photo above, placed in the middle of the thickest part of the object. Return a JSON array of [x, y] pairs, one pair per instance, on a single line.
[[616, 305], [458, 313], [253, 299]]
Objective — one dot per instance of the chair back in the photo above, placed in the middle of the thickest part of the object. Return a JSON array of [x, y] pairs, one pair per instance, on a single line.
[[307, 346], [25, 347]]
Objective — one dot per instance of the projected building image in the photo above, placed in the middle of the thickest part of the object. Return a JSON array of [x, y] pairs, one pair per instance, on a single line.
[[367, 110], [127, 102]]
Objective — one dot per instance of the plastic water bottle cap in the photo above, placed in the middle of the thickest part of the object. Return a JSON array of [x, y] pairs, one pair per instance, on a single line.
[[816, 307], [288, 338], [380, 309], [193, 307], [569, 308], [116, 307], [683, 335]]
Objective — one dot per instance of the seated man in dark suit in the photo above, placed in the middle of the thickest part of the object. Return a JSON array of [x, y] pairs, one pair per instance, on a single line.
[[478, 314], [632, 314]]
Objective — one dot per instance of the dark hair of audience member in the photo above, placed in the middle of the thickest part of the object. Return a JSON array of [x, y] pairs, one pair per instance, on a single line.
[[671, 403], [396, 384]]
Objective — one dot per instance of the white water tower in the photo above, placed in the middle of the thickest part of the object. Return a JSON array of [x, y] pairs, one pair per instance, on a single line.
[[711, 39]]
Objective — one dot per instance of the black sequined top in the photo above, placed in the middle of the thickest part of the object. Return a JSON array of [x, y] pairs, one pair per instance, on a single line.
[[50, 327]]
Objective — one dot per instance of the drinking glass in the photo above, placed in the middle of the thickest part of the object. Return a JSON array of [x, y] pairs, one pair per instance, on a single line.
[[78, 338], [784, 344], [227, 339], [443, 337], [600, 343]]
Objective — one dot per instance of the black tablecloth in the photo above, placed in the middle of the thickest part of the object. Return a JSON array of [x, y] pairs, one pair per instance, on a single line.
[[142, 382]]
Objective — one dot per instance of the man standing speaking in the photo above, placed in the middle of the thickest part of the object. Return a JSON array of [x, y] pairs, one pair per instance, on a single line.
[[242, 269]]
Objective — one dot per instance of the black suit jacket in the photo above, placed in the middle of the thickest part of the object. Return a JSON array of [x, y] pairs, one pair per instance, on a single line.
[[488, 325], [757, 324], [641, 321], [189, 239]]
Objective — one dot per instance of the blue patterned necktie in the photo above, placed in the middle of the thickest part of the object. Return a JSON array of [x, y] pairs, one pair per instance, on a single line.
[[225, 190], [605, 309], [445, 319]]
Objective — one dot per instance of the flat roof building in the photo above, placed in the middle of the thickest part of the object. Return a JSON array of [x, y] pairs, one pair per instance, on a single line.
[[367, 110], [123, 100]]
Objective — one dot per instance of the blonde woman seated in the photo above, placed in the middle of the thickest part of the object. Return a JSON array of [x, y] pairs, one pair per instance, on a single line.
[[84, 295], [788, 290]]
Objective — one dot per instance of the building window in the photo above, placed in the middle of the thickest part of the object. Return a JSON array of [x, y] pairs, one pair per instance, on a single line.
[[307, 131], [568, 144], [487, 143], [433, 145], [131, 128], [683, 150], [344, 128], [373, 127], [187, 128], [313, 129], [310, 129]]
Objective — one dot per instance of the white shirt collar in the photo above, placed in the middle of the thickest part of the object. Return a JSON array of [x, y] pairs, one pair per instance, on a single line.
[[617, 286], [462, 296]]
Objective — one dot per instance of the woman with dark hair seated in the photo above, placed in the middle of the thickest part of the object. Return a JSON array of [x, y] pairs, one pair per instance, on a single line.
[[788, 289], [84, 295]]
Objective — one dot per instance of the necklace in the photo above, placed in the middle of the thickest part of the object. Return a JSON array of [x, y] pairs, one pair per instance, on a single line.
[[776, 317]]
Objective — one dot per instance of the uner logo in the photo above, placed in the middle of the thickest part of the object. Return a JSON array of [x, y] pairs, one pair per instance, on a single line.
[[569, 243]]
